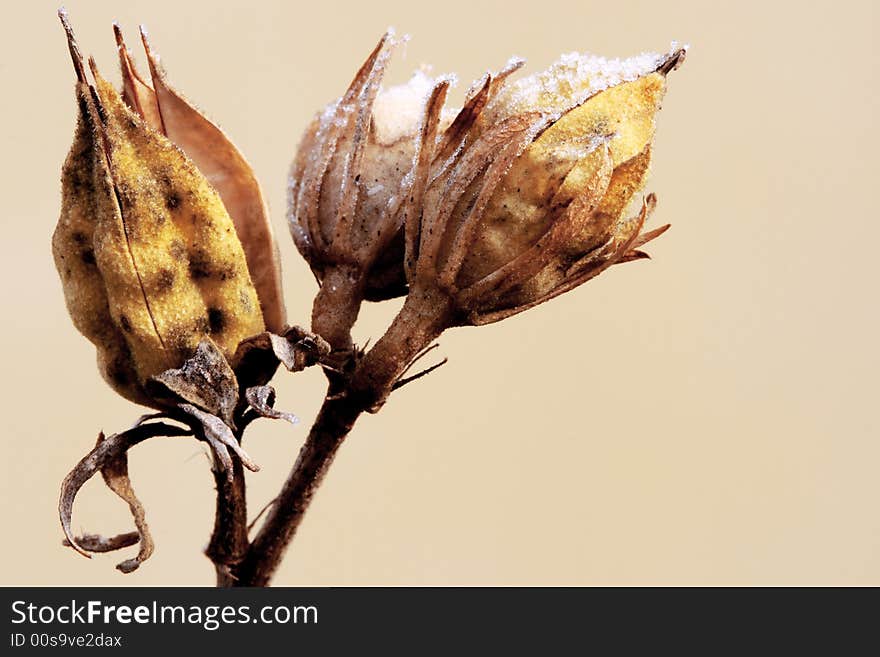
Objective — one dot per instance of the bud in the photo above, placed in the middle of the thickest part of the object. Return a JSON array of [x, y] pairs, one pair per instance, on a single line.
[[349, 176], [535, 203], [354, 170], [156, 207], [523, 197]]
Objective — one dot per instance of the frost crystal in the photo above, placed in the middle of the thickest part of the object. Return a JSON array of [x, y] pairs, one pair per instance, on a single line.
[[570, 80]]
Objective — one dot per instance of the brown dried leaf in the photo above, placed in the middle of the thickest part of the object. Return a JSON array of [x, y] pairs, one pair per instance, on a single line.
[[262, 400], [107, 453], [98, 544], [115, 474]]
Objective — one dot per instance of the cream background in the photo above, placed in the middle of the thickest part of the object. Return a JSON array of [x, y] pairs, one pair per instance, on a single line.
[[708, 417]]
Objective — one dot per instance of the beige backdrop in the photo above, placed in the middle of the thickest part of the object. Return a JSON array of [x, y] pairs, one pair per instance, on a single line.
[[708, 417]]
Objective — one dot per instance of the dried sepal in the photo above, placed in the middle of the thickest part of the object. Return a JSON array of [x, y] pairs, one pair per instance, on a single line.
[[296, 349], [109, 455], [220, 438], [206, 380], [262, 400]]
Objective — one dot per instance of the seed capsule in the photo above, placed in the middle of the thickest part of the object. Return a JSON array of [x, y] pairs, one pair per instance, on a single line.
[[534, 202], [150, 261]]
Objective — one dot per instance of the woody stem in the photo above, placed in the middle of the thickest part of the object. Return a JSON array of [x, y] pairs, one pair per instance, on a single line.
[[229, 539], [420, 321]]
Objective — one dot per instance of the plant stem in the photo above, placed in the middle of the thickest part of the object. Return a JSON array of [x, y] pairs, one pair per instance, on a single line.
[[419, 322], [336, 306], [229, 540]]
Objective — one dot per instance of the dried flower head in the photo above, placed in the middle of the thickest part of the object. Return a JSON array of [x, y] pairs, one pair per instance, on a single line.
[[345, 183], [354, 170], [533, 200], [522, 197], [163, 239]]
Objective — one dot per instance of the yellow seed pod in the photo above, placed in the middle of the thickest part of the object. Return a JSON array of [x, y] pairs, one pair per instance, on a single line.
[[148, 256], [560, 165], [171, 227], [534, 199], [74, 253]]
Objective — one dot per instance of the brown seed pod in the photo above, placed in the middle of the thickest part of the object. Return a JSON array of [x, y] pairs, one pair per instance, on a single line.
[[349, 184]]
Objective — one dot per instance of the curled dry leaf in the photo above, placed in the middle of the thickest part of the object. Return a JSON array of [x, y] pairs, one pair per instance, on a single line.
[[99, 544], [115, 474], [262, 400], [109, 457]]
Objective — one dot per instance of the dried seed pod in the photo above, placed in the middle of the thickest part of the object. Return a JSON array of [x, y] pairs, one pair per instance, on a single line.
[[347, 184], [523, 197], [150, 260], [346, 180], [225, 168], [536, 199], [350, 180]]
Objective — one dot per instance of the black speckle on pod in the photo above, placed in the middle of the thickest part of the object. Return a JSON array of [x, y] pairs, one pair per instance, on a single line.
[[199, 264], [216, 320], [202, 265], [125, 323], [172, 200], [88, 256]]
